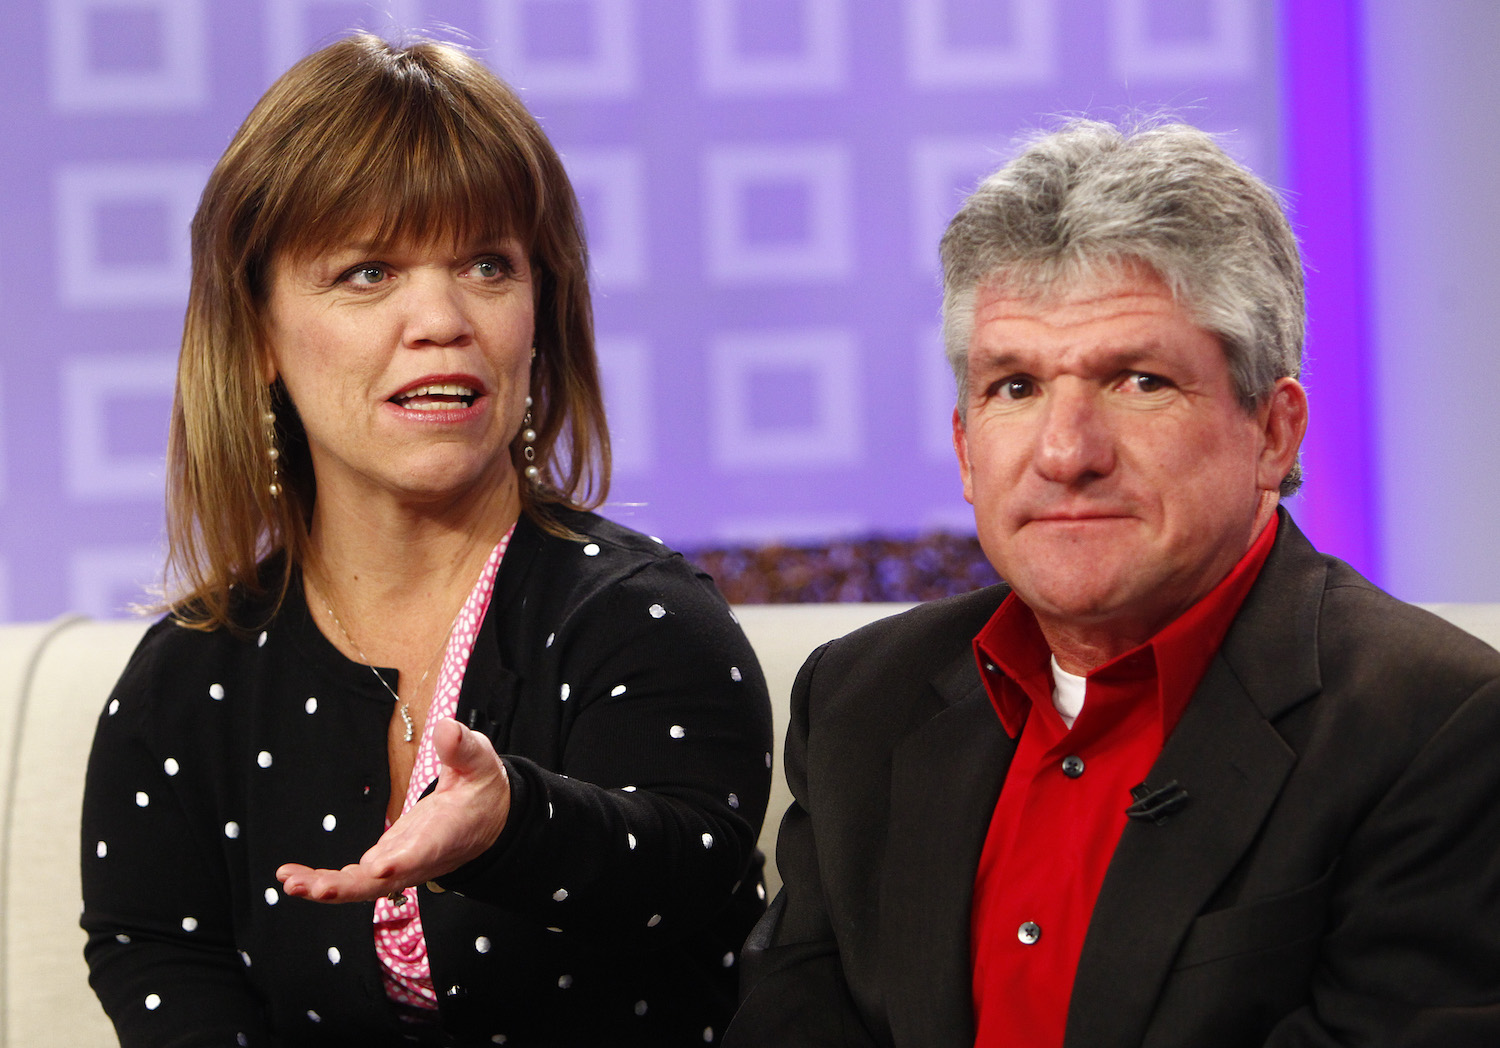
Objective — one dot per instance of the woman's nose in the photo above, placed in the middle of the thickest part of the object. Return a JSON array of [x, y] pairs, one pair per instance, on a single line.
[[436, 312]]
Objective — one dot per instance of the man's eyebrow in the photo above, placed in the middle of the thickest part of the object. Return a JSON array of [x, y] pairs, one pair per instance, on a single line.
[[1123, 358]]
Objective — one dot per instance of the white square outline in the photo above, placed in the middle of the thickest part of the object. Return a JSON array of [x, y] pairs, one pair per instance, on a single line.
[[84, 280], [791, 529], [938, 392], [822, 67], [835, 438], [932, 63], [611, 72], [286, 29], [826, 255], [179, 84], [91, 471], [943, 172], [618, 232], [95, 573], [1228, 54], [625, 374]]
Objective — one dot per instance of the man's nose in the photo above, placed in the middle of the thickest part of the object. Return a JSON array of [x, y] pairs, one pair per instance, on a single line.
[[1077, 441]]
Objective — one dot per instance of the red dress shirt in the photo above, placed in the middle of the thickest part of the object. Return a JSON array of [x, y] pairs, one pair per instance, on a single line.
[[1062, 808]]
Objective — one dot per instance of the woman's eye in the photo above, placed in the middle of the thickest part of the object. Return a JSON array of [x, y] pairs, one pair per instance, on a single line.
[[366, 276], [492, 268]]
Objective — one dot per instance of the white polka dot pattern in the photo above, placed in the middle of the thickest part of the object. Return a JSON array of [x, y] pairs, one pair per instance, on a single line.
[[170, 766], [122, 938], [101, 849], [311, 705], [735, 674], [231, 830], [263, 759], [617, 691], [657, 611], [329, 822], [153, 1002], [190, 924], [272, 897], [677, 731], [334, 956], [591, 550], [114, 706], [399, 943], [260, 642], [564, 692], [216, 691], [141, 799]]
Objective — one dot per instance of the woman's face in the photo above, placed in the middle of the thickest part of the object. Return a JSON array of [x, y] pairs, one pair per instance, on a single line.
[[409, 366]]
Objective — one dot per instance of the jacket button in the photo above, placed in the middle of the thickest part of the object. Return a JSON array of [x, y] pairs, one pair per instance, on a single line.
[[1072, 766], [1029, 932]]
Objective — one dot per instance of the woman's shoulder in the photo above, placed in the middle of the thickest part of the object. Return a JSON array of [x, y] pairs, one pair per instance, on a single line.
[[597, 548]]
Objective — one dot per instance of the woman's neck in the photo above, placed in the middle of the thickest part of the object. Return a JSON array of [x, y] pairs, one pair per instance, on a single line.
[[395, 574]]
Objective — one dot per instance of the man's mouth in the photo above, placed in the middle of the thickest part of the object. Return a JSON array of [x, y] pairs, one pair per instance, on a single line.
[[442, 396]]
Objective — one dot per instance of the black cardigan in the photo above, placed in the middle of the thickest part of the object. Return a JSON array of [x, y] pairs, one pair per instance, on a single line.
[[635, 726]]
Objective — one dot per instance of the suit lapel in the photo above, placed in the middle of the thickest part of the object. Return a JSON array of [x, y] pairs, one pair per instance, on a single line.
[[945, 778], [1232, 762]]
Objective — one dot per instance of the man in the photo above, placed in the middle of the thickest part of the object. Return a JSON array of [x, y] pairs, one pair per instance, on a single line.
[[1184, 782]]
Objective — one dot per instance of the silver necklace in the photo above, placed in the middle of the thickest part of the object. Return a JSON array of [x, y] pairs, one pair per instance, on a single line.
[[402, 707]]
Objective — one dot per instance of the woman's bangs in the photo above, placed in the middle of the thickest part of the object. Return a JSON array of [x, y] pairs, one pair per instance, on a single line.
[[411, 184]]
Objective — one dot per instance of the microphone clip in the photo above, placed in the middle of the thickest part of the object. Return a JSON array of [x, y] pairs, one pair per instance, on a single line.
[[1158, 805]]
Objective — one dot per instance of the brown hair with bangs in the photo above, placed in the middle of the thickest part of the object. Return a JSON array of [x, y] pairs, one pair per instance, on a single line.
[[416, 143]]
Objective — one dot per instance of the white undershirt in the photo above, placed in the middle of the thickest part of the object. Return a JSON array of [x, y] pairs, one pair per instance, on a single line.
[[1067, 693]]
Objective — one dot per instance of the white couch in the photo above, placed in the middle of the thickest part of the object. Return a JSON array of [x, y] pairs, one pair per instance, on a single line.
[[53, 681], [54, 678]]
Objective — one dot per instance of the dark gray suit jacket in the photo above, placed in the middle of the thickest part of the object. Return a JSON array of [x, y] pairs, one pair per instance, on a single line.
[[1333, 880]]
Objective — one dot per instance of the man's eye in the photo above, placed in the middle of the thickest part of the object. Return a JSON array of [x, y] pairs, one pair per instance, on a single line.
[[1016, 388], [1142, 382]]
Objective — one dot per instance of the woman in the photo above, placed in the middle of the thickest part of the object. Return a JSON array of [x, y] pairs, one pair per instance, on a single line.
[[388, 421]]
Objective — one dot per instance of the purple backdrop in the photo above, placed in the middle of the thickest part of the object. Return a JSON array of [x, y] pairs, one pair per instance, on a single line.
[[764, 182]]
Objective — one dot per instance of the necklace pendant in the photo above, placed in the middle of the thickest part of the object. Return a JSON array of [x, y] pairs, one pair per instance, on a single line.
[[405, 719]]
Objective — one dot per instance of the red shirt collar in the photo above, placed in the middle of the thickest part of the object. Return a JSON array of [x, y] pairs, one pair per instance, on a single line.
[[1015, 661]]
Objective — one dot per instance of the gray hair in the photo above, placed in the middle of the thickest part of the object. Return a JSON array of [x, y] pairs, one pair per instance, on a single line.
[[1082, 201]]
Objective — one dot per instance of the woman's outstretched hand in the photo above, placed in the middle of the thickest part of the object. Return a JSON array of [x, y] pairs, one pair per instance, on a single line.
[[453, 824]]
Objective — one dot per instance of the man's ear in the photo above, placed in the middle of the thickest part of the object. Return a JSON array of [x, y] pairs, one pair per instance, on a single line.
[[961, 447], [1283, 424]]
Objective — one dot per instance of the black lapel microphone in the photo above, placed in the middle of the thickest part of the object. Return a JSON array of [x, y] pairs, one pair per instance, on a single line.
[[1158, 805]]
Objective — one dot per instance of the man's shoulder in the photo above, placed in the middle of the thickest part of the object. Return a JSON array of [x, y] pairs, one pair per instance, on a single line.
[[1361, 622], [937, 628]]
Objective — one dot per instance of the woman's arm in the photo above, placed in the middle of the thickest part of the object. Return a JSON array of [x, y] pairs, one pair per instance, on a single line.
[[649, 819], [156, 899]]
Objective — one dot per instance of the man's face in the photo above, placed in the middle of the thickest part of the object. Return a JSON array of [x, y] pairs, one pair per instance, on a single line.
[[1114, 474]]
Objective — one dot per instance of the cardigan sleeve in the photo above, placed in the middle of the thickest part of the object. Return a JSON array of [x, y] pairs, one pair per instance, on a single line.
[[160, 946], [646, 824]]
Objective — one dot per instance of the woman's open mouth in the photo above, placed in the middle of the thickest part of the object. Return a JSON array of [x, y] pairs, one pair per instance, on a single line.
[[445, 396]]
